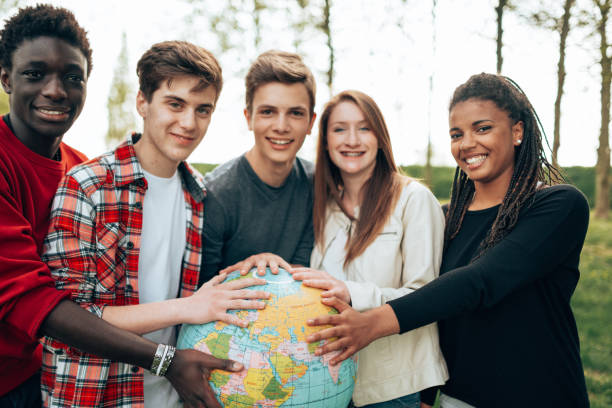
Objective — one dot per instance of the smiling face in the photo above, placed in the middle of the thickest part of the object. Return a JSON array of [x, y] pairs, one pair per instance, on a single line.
[[280, 120], [351, 143], [47, 87], [483, 141], [175, 121]]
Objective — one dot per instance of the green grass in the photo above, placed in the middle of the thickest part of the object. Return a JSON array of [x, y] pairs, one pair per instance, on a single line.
[[592, 305]]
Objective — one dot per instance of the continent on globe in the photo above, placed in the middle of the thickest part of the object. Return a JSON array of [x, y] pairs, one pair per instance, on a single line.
[[281, 369]]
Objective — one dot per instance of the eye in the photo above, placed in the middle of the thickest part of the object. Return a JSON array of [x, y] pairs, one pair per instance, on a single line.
[[174, 105], [297, 113], [364, 129], [483, 129], [455, 135], [32, 74], [337, 129], [75, 78], [265, 112], [204, 110]]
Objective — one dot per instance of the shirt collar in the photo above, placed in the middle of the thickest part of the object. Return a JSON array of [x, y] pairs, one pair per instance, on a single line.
[[127, 170]]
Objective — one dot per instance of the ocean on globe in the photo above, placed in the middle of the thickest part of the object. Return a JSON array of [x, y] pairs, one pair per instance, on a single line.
[[281, 369]]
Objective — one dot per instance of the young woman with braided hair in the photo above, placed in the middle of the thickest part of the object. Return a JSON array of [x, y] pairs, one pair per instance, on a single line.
[[513, 239]]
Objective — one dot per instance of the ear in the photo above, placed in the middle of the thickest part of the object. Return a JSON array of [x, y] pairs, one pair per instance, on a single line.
[[141, 104], [247, 116], [517, 133], [312, 121], [6, 80]]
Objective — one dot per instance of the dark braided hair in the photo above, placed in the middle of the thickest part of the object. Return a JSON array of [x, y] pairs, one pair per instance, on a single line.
[[531, 168]]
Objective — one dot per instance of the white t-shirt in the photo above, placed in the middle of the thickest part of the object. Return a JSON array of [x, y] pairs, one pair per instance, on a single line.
[[162, 245]]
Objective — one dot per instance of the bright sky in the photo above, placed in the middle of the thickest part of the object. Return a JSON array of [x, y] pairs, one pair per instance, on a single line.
[[373, 55]]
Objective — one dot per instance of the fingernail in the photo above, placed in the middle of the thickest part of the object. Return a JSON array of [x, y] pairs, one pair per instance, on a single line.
[[237, 366], [309, 321], [317, 352]]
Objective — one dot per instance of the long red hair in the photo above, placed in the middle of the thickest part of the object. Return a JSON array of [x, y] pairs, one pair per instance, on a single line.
[[380, 192]]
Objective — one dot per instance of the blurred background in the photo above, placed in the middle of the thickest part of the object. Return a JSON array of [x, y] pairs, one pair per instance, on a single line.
[[409, 56]]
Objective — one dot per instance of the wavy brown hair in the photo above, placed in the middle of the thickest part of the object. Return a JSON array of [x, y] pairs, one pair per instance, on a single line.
[[380, 192], [531, 168]]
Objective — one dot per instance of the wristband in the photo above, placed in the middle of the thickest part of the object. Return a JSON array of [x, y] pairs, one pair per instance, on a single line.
[[169, 355], [162, 359], [157, 359]]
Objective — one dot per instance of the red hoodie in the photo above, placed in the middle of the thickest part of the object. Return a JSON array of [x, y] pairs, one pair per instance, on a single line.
[[27, 291]]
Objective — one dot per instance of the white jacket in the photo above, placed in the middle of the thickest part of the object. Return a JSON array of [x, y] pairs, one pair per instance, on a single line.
[[405, 256]]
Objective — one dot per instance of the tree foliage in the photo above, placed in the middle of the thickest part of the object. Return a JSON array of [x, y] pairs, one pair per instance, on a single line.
[[244, 28], [120, 102], [559, 22]]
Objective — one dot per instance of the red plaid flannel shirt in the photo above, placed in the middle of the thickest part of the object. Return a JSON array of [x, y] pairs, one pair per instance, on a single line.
[[92, 250]]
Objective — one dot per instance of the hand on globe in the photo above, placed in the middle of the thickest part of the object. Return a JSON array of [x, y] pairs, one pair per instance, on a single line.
[[351, 330], [189, 373], [280, 367], [259, 261], [212, 301], [322, 280]]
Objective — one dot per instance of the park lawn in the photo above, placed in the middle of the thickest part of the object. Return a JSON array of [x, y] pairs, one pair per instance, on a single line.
[[592, 305]]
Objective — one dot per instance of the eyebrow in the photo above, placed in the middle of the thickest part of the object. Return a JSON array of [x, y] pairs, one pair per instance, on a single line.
[[181, 100], [43, 64], [299, 107], [343, 122], [475, 123]]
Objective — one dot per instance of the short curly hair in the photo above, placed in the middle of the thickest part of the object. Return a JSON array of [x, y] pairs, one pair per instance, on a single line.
[[42, 20]]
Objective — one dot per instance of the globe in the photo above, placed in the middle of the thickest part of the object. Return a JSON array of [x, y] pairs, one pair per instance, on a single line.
[[281, 369]]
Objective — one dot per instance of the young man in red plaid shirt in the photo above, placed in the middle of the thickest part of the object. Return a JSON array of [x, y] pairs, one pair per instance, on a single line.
[[45, 61], [125, 237]]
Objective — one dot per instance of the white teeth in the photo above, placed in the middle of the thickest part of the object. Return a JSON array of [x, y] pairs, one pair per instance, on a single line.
[[51, 112], [280, 141], [352, 154], [476, 159]]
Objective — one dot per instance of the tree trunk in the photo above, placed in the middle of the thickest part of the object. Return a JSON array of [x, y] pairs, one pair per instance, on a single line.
[[326, 28], [602, 178], [565, 27], [500, 32], [428, 171], [258, 6]]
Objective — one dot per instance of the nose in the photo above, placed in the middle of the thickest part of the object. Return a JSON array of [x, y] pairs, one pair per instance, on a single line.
[[352, 137], [54, 89], [467, 141], [187, 120], [282, 123]]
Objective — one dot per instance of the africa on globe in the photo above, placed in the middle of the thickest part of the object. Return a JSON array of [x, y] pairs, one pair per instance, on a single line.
[[281, 369]]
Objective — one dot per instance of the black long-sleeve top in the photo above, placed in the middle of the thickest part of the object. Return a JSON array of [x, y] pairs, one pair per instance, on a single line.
[[506, 327]]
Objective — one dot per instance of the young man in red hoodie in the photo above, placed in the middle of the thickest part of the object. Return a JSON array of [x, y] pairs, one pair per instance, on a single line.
[[45, 61]]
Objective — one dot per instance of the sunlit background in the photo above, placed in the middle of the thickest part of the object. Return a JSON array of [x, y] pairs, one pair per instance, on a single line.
[[389, 49]]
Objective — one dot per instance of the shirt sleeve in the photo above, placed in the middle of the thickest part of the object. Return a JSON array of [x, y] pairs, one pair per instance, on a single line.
[[70, 246], [421, 252], [552, 227], [213, 235], [27, 292]]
